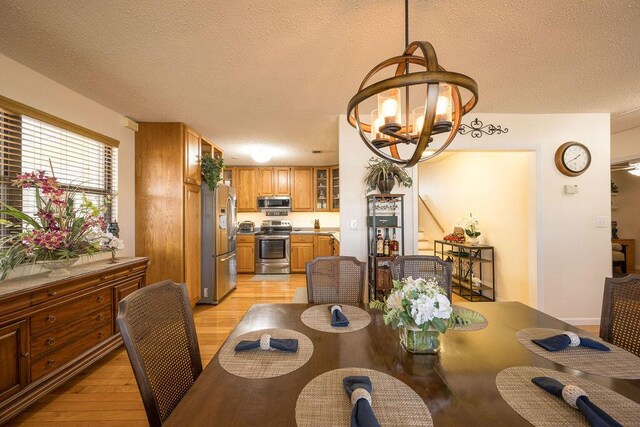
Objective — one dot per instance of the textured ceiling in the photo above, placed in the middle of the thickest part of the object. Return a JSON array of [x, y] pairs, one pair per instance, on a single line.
[[277, 73]]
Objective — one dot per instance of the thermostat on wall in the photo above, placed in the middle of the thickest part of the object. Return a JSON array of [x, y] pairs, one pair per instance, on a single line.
[[570, 189]]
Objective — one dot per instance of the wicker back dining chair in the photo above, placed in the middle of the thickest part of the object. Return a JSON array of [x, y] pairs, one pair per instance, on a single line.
[[335, 279], [620, 320], [424, 267], [160, 337]]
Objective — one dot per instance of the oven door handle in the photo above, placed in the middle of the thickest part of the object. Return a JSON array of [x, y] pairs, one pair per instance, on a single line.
[[272, 237]]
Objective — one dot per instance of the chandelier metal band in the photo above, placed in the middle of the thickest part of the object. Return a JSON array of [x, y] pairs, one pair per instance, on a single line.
[[432, 77]]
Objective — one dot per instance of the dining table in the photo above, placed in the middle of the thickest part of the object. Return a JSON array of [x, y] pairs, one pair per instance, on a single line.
[[458, 385]]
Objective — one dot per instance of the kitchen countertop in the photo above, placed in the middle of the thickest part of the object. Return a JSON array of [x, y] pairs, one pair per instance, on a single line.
[[329, 231]]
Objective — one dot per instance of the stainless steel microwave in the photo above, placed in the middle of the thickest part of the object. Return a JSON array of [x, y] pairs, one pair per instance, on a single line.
[[274, 202]]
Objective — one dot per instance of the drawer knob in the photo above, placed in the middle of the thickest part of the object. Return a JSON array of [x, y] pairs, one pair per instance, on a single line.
[[100, 298], [51, 341], [52, 293], [25, 354], [51, 363], [100, 334], [51, 318], [100, 316]]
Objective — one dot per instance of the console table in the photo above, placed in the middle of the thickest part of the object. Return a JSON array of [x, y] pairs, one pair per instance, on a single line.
[[631, 251], [52, 329]]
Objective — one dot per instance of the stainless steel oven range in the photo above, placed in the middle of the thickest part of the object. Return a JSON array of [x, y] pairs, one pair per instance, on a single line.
[[273, 247]]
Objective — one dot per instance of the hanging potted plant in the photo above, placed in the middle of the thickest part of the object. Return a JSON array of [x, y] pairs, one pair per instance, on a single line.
[[384, 174], [212, 170]]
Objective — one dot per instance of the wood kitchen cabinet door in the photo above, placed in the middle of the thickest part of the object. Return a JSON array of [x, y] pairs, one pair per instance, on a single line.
[[281, 184], [247, 189], [14, 358], [246, 258], [192, 239], [265, 181], [192, 157], [323, 246], [301, 254], [302, 189]]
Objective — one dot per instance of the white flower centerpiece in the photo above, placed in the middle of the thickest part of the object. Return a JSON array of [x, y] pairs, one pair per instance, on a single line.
[[111, 243], [421, 310], [471, 228]]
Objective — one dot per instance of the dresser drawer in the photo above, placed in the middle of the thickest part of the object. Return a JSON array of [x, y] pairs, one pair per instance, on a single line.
[[68, 312], [301, 238], [54, 292], [59, 337], [52, 361]]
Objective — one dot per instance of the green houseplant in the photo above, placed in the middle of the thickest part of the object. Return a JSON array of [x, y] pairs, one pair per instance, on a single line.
[[384, 174], [212, 170]]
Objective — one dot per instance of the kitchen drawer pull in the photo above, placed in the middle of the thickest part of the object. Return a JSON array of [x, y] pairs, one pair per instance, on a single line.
[[100, 316], [51, 341], [51, 318], [100, 298], [25, 354], [52, 293], [51, 363]]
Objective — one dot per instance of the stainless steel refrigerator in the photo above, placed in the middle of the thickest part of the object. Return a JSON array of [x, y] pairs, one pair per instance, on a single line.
[[219, 235]]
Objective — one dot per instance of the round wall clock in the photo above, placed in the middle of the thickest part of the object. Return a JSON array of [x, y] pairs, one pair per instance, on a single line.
[[573, 158]]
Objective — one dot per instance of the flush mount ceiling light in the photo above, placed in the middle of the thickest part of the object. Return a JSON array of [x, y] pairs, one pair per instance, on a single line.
[[260, 155], [440, 113]]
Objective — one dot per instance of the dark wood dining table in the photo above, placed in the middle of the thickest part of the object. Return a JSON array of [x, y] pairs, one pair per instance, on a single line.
[[458, 385]]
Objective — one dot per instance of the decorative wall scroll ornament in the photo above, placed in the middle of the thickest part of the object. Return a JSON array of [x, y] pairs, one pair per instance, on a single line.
[[476, 128], [397, 121]]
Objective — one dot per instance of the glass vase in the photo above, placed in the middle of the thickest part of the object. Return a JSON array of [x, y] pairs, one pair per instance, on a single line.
[[418, 341]]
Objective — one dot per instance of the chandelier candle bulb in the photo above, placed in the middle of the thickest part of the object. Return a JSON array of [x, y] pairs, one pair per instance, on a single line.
[[444, 107]]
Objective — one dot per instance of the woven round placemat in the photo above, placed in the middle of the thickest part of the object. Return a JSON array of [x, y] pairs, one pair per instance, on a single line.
[[318, 317], [472, 326], [256, 364], [323, 401], [541, 408], [617, 363]]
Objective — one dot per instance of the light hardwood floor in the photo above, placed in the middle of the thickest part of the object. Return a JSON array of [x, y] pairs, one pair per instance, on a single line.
[[107, 394]]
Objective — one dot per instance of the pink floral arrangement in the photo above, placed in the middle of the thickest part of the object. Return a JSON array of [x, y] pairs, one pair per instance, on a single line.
[[62, 228]]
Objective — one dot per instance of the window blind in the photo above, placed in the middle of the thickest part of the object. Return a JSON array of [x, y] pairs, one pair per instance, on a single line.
[[28, 144]]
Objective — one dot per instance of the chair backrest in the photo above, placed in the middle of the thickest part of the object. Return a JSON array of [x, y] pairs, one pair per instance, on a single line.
[[423, 267], [620, 319], [160, 337], [335, 279]]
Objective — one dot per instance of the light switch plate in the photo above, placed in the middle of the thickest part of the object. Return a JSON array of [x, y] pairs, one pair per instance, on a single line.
[[354, 224], [602, 222], [570, 189]]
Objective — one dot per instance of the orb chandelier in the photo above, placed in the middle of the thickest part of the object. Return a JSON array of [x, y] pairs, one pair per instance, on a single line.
[[440, 113]]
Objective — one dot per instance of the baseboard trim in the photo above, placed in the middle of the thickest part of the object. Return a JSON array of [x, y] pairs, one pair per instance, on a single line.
[[582, 320]]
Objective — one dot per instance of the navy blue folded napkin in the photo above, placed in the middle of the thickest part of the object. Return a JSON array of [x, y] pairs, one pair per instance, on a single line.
[[577, 398], [338, 319], [267, 343], [358, 389], [569, 339]]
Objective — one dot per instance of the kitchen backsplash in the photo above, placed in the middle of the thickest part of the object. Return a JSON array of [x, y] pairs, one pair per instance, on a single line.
[[298, 219]]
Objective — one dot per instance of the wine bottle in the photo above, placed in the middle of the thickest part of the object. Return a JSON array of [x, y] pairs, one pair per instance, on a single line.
[[395, 245], [379, 244], [386, 246]]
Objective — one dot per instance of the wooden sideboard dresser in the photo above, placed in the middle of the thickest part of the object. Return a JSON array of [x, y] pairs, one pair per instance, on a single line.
[[52, 329]]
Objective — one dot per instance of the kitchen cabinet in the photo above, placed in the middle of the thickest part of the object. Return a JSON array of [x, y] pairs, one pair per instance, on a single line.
[[335, 189], [246, 253], [53, 328], [302, 189], [336, 247], [229, 177], [322, 246], [14, 358], [167, 202], [302, 252], [321, 189], [281, 182], [192, 240], [247, 189], [273, 182], [192, 157]]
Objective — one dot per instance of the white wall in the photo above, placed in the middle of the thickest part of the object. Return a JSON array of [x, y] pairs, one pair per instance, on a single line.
[[475, 182], [24, 85], [628, 205], [573, 256], [625, 145], [298, 219]]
